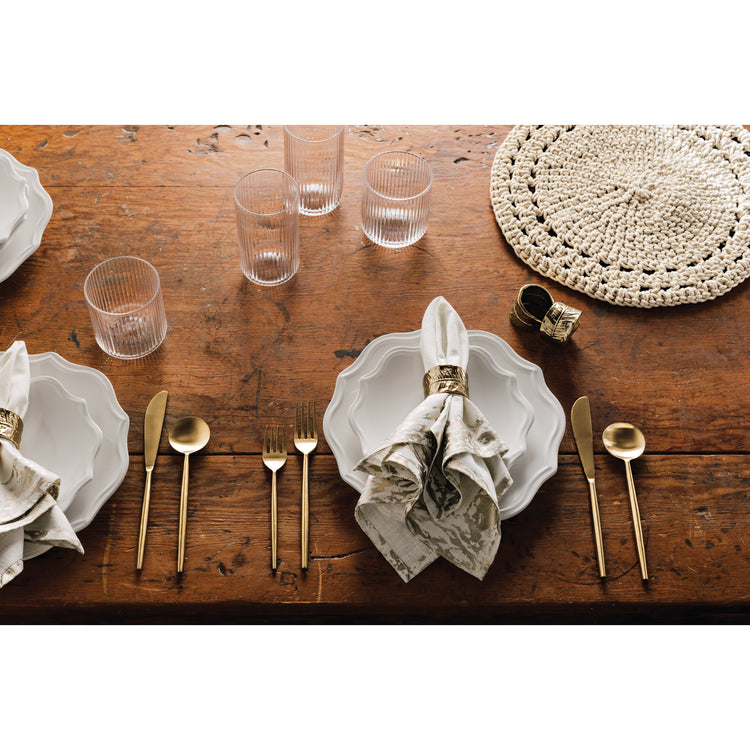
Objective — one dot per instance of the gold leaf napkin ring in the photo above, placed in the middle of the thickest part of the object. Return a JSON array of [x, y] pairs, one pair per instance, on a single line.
[[560, 322], [530, 307], [445, 379], [11, 426]]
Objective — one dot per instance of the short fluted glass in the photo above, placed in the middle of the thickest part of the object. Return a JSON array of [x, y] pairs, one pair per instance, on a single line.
[[266, 206], [126, 307], [314, 156], [396, 198]]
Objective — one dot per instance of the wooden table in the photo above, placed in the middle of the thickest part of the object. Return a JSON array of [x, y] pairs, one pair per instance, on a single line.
[[241, 357]]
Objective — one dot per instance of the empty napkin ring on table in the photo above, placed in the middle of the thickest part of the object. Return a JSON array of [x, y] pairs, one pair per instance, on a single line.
[[532, 303], [535, 309], [560, 322], [445, 379], [11, 426]]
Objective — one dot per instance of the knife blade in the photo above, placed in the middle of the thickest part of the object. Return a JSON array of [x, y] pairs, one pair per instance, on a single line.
[[580, 420], [152, 427]]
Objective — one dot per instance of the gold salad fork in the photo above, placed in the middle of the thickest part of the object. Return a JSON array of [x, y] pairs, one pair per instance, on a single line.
[[274, 457], [305, 441]]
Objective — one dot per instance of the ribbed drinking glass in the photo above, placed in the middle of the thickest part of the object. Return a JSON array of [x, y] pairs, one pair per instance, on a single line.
[[396, 198], [126, 307], [314, 156], [267, 210]]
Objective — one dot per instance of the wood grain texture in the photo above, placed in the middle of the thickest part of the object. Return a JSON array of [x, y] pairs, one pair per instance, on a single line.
[[241, 356]]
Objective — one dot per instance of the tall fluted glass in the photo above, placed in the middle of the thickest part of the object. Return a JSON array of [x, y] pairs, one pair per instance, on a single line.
[[267, 210], [126, 307], [396, 198], [314, 156]]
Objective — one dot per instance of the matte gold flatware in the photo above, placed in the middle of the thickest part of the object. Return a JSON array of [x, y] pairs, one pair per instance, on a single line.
[[274, 457], [580, 419], [187, 436], [305, 441], [625, 441], [152, 427]]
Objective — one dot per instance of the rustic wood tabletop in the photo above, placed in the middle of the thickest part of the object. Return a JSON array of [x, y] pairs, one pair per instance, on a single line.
[[241, 356]]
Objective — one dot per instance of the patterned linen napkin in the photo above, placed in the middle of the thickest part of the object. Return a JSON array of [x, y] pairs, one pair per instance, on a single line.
[[435, 482], [28, 492]]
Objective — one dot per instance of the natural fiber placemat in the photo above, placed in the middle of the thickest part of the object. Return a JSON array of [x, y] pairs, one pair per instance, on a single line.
[[636, 215]]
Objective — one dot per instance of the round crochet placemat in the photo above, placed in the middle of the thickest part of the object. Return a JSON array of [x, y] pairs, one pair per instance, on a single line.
[[635, 215]]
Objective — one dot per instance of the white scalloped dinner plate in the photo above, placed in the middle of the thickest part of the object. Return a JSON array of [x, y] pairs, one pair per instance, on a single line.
[[27, 236], [111, 462], [396, 358]]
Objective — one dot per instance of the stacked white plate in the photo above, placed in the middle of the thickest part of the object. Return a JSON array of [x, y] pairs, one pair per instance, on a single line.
[[75, 427], [373, 396], [25, 210]]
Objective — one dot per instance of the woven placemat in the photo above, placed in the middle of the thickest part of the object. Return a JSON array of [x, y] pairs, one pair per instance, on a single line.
[[636, 215]]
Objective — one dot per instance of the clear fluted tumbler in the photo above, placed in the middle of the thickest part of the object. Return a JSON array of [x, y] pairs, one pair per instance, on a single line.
[[266, 205], [126, 307], [396, 198], [314, 156]]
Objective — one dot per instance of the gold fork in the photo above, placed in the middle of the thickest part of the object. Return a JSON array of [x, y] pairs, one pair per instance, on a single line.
[[274, 457], [305, 441]]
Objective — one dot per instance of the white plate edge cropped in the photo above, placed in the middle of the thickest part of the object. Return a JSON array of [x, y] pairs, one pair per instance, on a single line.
[[40, 221]]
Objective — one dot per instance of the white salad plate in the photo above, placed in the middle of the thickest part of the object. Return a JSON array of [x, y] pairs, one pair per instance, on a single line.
[[111, 462], [59, 435], [27, 236], [494, 390], [396, 358], [13, 200]]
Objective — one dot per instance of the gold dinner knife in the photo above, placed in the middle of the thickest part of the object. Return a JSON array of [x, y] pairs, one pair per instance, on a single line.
[[152, 427], [580, 418]]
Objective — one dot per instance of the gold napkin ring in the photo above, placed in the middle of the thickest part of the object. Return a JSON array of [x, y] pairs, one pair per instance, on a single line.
[[560, 322], [445, 379], [11, 426], [530, 307]]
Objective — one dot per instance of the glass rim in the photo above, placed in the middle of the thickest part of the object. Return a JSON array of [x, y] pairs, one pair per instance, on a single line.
[[239, 205], [394, 198], [314, 140], [129, 312]]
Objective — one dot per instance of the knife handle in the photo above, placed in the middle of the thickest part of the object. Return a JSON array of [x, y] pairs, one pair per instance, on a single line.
[[597, 528], [144, 521]]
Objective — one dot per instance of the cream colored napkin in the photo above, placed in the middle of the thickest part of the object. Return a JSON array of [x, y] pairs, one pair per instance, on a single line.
[[28, 492], [435, 482]]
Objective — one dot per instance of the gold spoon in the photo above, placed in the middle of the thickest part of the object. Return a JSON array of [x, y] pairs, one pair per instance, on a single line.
[[187, 436], [627, 442]]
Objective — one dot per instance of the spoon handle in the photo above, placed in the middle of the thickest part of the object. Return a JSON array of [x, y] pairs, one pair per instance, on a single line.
[[183, 516], [636, 521], [597, 528]]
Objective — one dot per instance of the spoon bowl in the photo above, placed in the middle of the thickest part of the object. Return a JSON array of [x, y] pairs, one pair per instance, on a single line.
[[624, 441], [187, 436]]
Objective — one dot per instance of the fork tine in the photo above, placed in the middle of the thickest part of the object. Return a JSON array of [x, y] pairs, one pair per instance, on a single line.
[[283, 441], [314, 422], [298, 421], [266, 443]]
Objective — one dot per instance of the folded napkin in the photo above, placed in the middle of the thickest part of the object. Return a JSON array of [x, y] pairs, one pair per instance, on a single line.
[[28, 492], [434, 483]]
